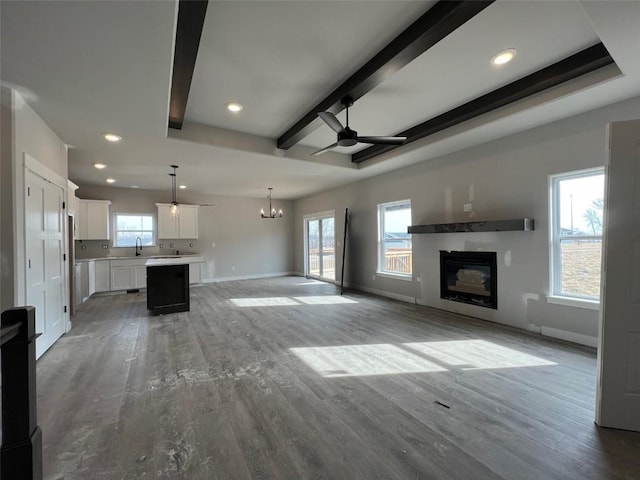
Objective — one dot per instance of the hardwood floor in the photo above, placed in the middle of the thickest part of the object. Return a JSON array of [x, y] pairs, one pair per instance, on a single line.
[[285, 379]]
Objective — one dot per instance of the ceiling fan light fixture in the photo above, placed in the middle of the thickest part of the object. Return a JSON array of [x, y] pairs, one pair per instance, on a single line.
[[503, 57], [272, 211], [234, 107]]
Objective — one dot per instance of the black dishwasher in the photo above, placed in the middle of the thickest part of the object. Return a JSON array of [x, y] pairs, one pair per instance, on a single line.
[[168, 288]]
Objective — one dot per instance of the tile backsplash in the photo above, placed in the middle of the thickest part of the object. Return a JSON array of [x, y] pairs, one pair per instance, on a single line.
[[103, 248]]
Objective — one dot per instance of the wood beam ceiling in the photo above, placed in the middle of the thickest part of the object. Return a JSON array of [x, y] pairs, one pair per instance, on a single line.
[[572, 67], [191, 14], [438, 22]]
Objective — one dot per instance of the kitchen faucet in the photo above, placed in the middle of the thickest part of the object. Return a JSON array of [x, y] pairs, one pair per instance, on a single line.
[[138, 252]]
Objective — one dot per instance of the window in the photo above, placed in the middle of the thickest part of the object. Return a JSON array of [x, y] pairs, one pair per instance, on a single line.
[[577, 207], [130, 226], [394, 243]]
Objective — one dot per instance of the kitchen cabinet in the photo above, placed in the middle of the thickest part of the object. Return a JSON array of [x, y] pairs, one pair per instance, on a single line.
[[86, 278], [168, 290], [103, 275], [128, 274], [183, 225], [195, 273], [77, 285], [93, 219]]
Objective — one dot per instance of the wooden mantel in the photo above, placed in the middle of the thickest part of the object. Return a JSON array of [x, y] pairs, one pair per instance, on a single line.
[[518, 224]]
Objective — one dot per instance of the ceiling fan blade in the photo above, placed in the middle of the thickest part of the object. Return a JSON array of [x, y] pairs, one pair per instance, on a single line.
[[331, 120], [383, 140], [322, 150]]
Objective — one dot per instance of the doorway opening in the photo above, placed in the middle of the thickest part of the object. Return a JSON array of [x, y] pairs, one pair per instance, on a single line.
[[320, 246]]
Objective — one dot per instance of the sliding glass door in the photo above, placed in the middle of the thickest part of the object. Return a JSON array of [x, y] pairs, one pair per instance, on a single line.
[[320, 246]]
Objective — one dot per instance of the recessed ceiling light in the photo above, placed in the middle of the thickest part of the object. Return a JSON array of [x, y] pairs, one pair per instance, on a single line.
[[234, 107], [112, 137], [505, 56], [182, 187], [135, 186], [99, 166], [111, 180]]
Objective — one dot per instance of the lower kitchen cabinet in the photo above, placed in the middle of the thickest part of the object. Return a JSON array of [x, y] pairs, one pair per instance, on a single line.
[[128, 274], [140, 276], [103, 275], [195, 273]]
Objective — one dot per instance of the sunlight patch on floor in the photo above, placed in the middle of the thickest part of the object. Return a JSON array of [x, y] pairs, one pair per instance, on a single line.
[[324, 300], [477, 354], [360, 360], [288, 301], [387, 359], [264, 302]]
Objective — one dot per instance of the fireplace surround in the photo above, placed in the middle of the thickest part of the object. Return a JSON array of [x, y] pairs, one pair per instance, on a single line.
[[469, 277]]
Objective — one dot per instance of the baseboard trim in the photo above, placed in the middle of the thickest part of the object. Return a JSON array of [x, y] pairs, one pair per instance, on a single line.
[[569, 336], [382, 293]]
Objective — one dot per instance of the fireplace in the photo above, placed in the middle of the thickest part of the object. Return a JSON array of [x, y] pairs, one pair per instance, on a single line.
[[469, 277]]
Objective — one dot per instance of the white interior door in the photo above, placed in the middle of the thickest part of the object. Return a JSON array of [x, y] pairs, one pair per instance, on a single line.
[[618, 395], [45, 261]]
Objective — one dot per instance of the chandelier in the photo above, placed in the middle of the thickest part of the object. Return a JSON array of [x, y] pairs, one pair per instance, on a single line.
[[173, 209], [272, 211]]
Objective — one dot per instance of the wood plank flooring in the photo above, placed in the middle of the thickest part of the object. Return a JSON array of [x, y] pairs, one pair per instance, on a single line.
[[285, 379]]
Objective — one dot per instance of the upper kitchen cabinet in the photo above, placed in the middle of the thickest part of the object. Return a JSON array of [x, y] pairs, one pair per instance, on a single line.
[[93, 219], [182, 225]]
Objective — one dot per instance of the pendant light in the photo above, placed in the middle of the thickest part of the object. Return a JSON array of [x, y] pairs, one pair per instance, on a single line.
[[174, 210], [272, 211]]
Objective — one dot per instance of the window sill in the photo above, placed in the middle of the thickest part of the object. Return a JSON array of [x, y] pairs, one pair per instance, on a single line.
[[395, 276], [574, 302]]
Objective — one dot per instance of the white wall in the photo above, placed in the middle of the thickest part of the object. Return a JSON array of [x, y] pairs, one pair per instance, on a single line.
[[7, 250], [27, 134], [503, 179], [245, 245]]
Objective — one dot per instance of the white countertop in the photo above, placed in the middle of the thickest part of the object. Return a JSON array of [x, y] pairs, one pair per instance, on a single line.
[[155, 262], [143, 257]]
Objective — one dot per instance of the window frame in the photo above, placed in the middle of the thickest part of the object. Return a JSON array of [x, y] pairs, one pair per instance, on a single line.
[[555, 295], [381, 258], [154, 236]]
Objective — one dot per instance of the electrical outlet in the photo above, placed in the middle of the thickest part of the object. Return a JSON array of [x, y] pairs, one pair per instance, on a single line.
[[105, 246], [467, 207]]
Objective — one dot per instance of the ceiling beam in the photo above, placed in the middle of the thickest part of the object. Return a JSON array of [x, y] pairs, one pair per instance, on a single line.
[[191, 14], [438, 22], [572, 67]]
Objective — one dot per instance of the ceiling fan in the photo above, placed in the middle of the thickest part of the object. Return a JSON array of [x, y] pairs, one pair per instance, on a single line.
[[348, 137]]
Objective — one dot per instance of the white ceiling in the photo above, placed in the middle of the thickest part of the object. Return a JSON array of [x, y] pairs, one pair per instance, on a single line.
[[93, 67]]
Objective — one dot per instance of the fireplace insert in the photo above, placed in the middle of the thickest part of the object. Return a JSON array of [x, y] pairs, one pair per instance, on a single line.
[[469, 277]]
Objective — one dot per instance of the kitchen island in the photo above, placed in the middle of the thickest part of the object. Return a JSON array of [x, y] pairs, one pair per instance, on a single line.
[[168, 284]]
